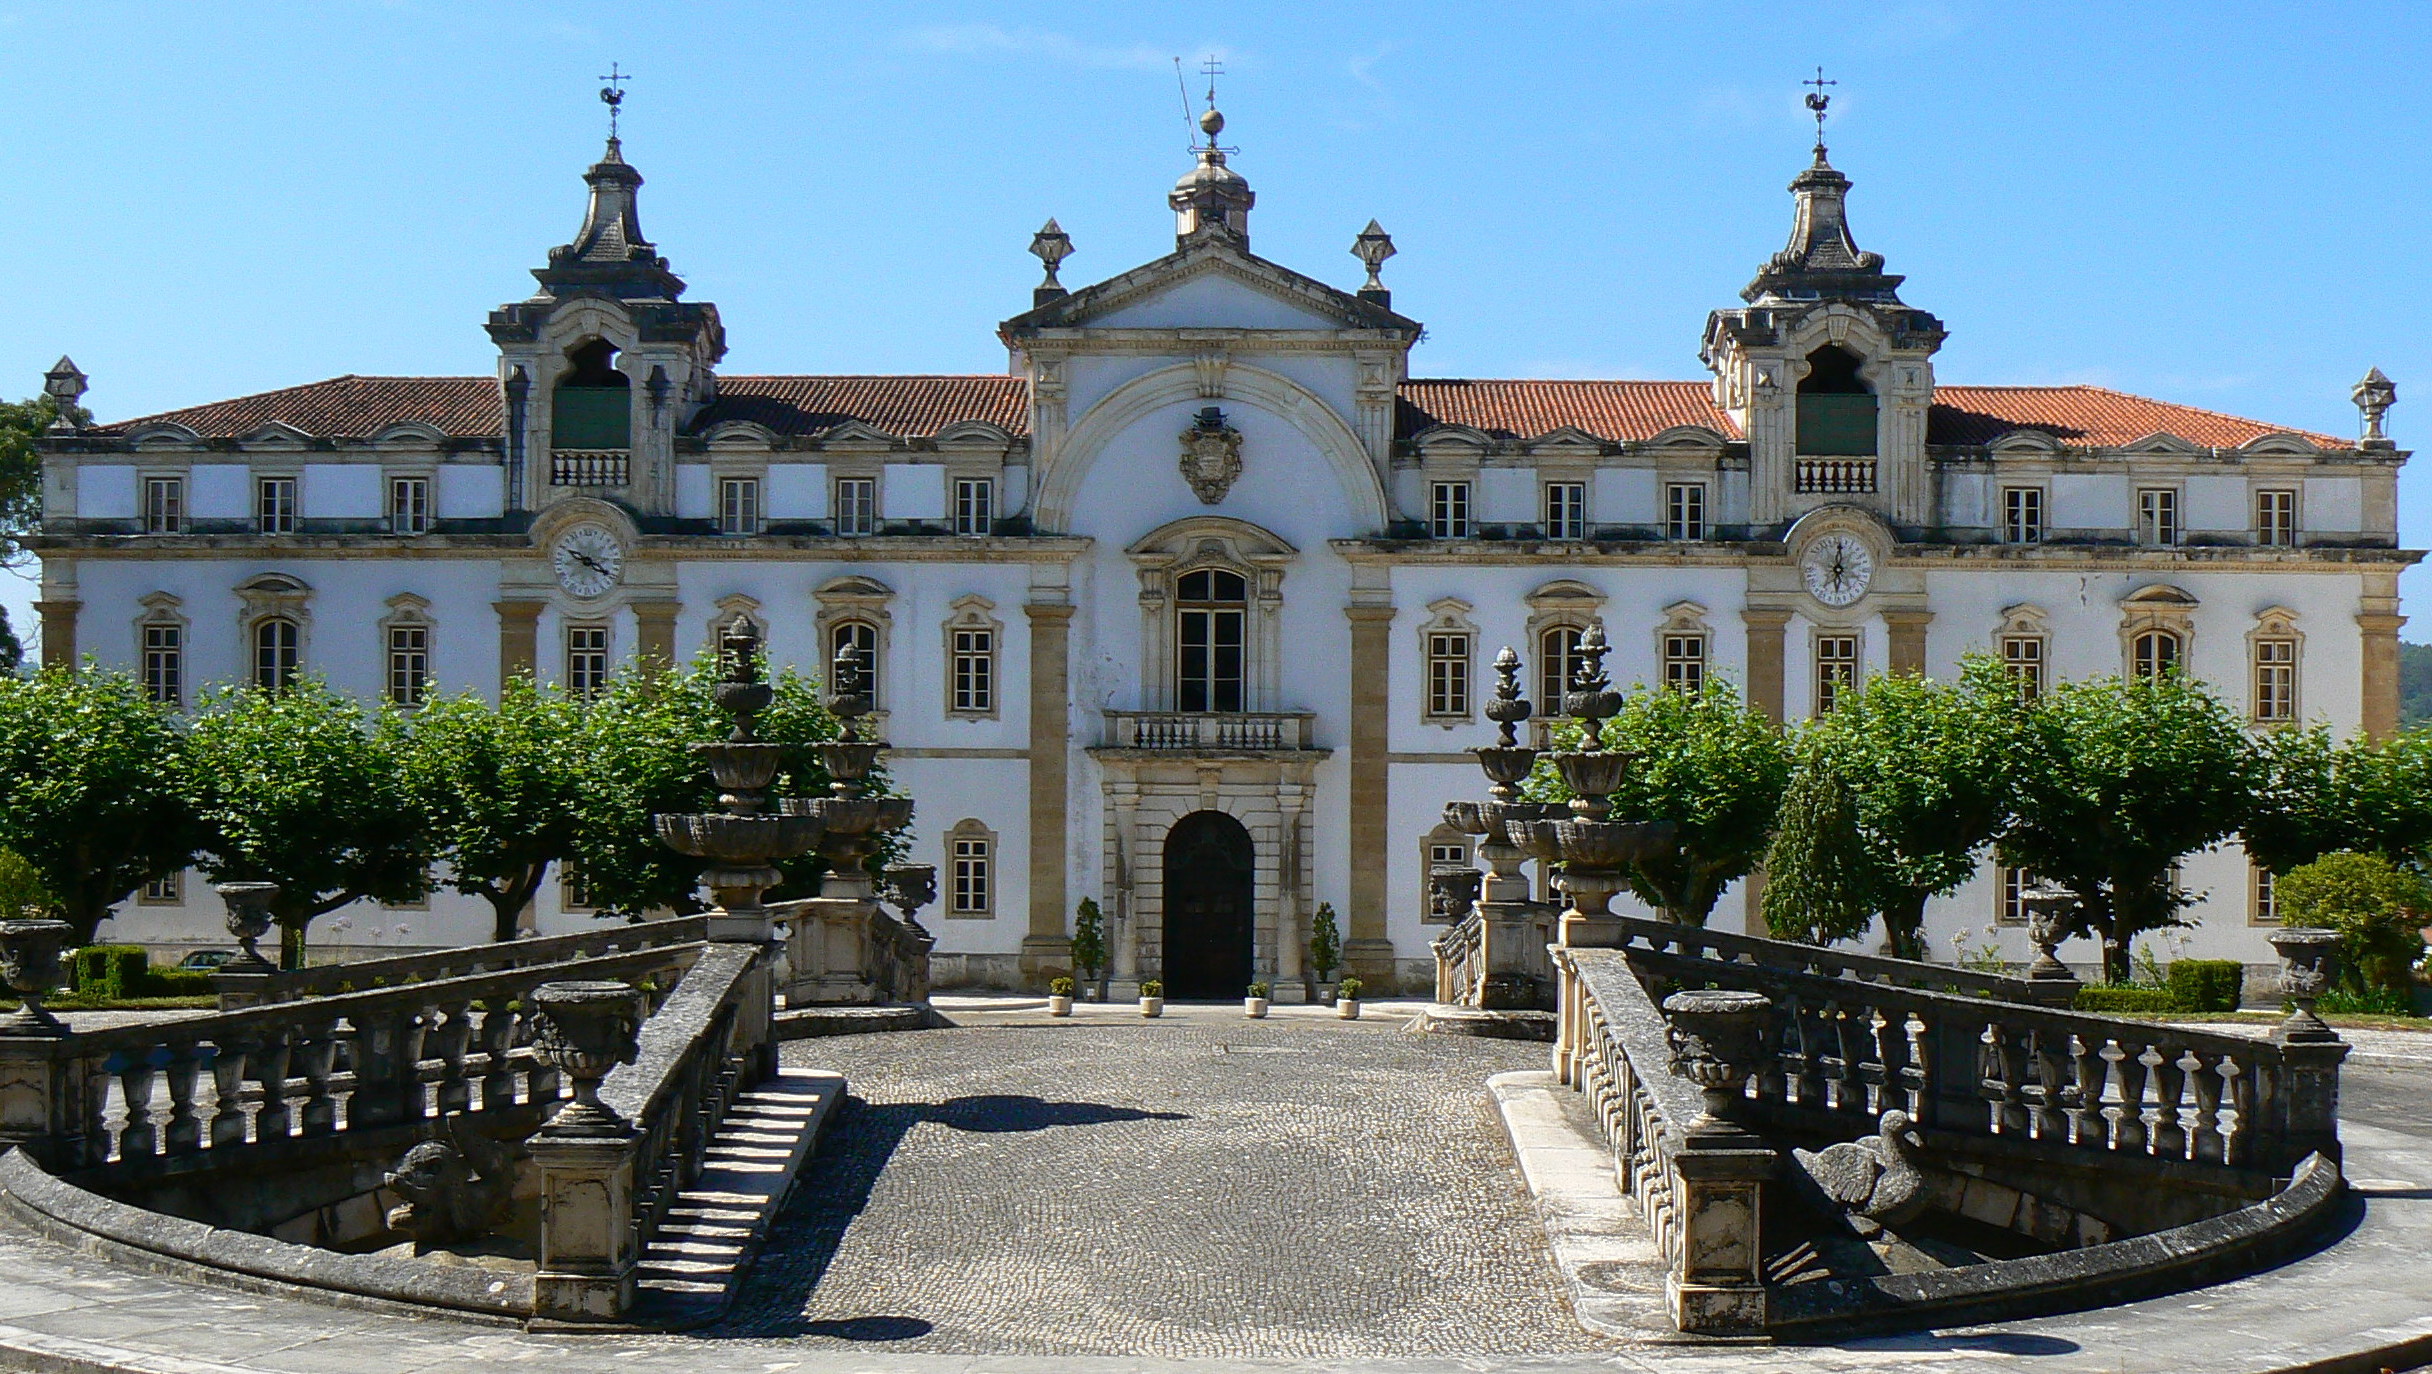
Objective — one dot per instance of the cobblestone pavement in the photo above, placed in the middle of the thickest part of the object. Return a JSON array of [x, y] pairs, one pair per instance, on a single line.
[[1201, 1186]]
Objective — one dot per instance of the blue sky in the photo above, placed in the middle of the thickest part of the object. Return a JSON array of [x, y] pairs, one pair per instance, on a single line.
[[2211, 204]]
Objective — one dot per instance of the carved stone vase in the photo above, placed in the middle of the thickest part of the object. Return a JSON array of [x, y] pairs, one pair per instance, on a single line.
[[248, 920], [1718, 1041], [29, 958], [2305, 973], [587, 1029]]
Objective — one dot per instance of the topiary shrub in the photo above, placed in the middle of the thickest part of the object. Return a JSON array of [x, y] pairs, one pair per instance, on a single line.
[[2129, 999], [2207, 984], [175, 982], [112, 972]]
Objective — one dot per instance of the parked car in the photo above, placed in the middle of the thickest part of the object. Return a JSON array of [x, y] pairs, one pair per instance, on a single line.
[[205, 960]]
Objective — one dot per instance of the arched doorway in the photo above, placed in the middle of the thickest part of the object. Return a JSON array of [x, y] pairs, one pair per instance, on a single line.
[[1209, 872]]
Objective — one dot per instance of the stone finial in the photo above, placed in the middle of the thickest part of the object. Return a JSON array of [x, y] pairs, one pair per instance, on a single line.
[[1591, 699], [587, 1029], [849, 694], [1507, 708], [29, 959], [2373, 397], [1051, 245], [248, 920], [1372, 247], [65, 384]]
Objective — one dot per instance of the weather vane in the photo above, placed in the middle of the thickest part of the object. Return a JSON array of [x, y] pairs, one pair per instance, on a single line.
[[612, 95], [1210, 123], [1817, 100]]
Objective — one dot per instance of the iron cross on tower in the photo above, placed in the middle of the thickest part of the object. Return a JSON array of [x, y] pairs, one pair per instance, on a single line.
[[1817, 100], [612, 95]]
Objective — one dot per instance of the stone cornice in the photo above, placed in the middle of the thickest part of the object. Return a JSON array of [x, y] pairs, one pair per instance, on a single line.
[[2022, 557], [650, 548]]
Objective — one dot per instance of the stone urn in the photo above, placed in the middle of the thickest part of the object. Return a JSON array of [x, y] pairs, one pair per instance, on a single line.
[[248, 920], [2305, 973], [587, 1029], [1718, 1042], [29, 958]]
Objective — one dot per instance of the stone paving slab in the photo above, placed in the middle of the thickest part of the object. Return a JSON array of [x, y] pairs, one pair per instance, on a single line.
[[61, 1311]]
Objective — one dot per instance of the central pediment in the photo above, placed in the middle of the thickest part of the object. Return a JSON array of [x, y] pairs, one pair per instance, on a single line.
[[1210, 284]]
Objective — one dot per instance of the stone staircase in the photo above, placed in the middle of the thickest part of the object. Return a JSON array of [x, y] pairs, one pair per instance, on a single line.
[[694, 1265]]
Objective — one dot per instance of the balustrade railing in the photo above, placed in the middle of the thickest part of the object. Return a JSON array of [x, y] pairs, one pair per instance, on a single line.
[[591, 467], [1789, 956], [1836, 476], [322, 980], [1183, 731], [1461, 962], [693, 1056]]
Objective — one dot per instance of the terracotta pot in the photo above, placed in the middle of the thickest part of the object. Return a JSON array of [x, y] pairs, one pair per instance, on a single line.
[[1059, 1006]]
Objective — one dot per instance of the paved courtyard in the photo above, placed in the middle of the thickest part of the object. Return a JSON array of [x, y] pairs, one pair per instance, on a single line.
[[1206, 1185]]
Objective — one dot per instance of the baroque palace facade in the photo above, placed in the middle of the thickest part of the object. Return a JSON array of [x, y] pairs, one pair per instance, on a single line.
[[1190, 610]]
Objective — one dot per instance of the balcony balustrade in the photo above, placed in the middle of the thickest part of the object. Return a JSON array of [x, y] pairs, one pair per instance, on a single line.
[[1231, 732]]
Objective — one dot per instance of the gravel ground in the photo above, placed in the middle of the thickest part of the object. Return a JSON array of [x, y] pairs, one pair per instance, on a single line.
[[1193, 1187]]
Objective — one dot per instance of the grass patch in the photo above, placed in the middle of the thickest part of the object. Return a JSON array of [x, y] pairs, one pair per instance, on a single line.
[[2342, 1020], [79, 1002]]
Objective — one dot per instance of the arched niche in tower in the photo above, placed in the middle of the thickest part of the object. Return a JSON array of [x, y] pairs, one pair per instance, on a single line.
[[593, 407], [1837, 410]]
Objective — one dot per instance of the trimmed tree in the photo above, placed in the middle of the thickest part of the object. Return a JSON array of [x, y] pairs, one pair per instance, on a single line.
[[2121, 778], [500, 786], [1089, 943], [2378, 908], [92, 798], [304, 788], [1821, 880]]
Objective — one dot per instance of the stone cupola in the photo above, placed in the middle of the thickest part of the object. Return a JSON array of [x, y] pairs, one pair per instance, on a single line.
[[1212, 199], [1829, 374], [602, 367]]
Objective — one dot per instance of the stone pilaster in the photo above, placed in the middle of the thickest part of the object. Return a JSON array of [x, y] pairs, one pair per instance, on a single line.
[[1906, 629], [46, 1102], [1367, 952], [655, 633], [58, 632], [587, 1250], [1765, 628], [1718, 1181], [518, 636], [2379, 625], [1047, 948]]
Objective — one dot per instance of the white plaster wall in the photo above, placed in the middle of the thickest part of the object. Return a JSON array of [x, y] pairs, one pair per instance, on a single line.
[[105, 491], [341, 491], [797, 491], [912, 491], [2090, 501], [1627, 496], [1967, 499], [1507, 496], [466, 491], [696, 492], [1210, 299], [2333, 505], [220, 491], [2217, 504], [996, 793]]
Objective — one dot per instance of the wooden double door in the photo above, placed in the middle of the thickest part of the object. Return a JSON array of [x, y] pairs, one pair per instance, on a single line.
[[1210, 893]]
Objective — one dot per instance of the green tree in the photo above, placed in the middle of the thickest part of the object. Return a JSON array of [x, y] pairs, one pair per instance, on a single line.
[[92, 798], [12, 649], [304, 788], [2378, 908], [1710, 764], [2315, 795], [1325, 942], [22, 895], [2120, 778], [1821, 880], [500, 787], [1928, 767], [1088, 939]]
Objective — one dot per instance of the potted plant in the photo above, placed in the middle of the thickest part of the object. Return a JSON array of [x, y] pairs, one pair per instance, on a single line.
[[1152, 997], [1059, 997], [1325, 951], [1254, 1006], [1347, 1000]]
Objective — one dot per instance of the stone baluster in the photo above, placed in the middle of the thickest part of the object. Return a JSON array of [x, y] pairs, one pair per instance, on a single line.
[[229, 1062], [497, 1042], [2003, 1068], [137, 1137], [2085, 1103], [272, 1056], [447, 1035], [315, 1049], [2166, 1133], [2205, 1142], [385, 1052], [183, 1133], [2048, 1055]]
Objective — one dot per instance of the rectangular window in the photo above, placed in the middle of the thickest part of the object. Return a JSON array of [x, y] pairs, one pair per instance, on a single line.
[[1448, 674], [2011, 910], [1685, 510], [2264, 909], [169, 889], [2157, 515], [1450, 511], [856, 505], [274, 505], [164, 505], [409, 664], [974, 505], [2022, 515], [1836, 670], [2275, 679], [586, 659], [2276, 518], [974, 671], [1685, 662], [970, 895], [573, 889], [1566, 510], [739, 505], [165, 664], [2023, 656], [409, 505]]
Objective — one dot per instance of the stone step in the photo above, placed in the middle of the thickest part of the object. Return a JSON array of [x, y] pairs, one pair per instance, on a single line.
[[805, 1023], [712, 1230]]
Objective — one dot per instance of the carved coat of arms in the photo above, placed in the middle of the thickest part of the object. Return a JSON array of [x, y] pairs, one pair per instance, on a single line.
[[1211, 455]]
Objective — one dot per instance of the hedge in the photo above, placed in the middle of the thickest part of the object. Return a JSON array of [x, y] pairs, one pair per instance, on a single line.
[[124, 973], [2207, 984], [2126, 999]]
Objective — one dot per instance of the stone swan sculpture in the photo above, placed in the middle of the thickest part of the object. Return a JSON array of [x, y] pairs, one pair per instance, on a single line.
[[1872, 1181]]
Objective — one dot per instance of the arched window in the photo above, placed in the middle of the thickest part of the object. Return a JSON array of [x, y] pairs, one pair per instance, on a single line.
[[860, 639], [2154, 653], [1836, 411], [278, 649], [1211, 617], [1557, 659], [593, 408]]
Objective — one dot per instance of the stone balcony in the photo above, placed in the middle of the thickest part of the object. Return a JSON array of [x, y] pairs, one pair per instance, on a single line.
[[591, 467], [1212, 733]]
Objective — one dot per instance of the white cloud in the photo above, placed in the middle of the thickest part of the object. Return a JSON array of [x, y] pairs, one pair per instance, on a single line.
[[991, 40]]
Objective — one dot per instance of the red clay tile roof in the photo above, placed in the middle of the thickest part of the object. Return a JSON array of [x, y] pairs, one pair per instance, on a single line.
[[347, 407], [2088, 417], [914, 407], [1526, 409]]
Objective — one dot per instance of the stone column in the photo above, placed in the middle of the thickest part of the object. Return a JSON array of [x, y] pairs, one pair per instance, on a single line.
[[1765, 628], [59, 632], [518, 635], [2380, 629], [1047, 949], [1906, 629], [655, 633], [587, 1251], [1367, 952]]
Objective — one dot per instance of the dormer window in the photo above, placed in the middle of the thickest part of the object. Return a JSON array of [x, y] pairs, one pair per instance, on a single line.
[[591, 414], [1836, 410]]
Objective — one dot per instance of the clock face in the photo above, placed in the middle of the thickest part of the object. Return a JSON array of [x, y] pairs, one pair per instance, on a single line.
[[588, 559], [1838, 567]]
